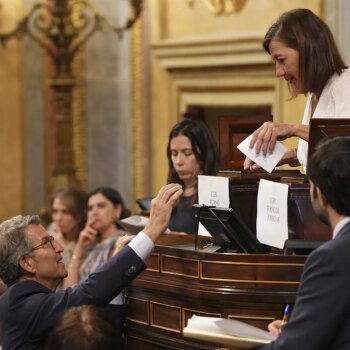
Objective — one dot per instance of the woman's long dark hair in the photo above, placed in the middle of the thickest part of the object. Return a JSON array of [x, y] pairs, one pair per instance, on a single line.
[[203, 147]]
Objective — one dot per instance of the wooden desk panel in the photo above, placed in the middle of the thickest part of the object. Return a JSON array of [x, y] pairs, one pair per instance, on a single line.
[[252, 288], [302, 221], [249, 287]]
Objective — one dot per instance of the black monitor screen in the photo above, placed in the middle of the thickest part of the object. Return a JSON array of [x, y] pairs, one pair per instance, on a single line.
[[228, 230]]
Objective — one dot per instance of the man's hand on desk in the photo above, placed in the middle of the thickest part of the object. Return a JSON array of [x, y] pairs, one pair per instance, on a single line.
[[161, 209], [275, 327]]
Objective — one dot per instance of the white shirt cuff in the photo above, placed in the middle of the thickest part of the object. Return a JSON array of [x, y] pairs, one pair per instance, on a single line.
[[142, 245]]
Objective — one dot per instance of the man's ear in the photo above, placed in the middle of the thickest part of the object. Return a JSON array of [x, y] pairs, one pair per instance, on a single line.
[[321, 198], [26, 264]]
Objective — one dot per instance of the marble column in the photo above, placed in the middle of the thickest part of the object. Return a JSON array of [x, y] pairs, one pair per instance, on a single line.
[[108, 99], [34, 128]]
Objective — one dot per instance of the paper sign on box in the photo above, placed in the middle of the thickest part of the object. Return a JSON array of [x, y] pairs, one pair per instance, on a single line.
[[272, 215], [212, 191]]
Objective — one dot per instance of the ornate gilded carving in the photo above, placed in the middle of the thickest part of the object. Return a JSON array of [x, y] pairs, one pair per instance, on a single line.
[[222, 7], [62, 27], [78, 110]]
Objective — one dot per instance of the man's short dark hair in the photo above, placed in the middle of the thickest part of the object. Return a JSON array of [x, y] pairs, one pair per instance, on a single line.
[[85, 327], [329, 170]]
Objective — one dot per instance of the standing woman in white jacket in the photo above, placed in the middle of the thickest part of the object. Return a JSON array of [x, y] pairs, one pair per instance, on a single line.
[[306, 56]]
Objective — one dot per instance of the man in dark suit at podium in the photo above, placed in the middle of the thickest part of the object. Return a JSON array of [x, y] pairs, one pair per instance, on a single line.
[[321, 316], [31, 265]]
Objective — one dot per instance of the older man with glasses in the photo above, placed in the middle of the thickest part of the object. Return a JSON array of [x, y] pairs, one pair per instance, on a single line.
[[31, 266]]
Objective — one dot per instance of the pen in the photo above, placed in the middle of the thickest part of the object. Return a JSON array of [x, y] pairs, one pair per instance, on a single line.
[[286, 314]]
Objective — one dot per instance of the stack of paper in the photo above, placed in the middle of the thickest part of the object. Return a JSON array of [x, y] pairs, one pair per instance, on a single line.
[[133, 224], [225, 331]]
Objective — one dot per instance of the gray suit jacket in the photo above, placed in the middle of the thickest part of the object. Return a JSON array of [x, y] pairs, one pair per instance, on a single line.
[[321, 315], [29, 310]]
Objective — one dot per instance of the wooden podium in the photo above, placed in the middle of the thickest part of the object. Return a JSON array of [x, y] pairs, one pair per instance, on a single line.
[[253, 288], [181, 282]]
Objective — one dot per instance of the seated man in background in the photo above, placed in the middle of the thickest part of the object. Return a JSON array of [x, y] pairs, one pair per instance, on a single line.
[[31, 266], [85, 327], [321, 316]]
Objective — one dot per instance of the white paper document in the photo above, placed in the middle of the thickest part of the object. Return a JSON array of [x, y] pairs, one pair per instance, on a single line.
[[133, 224], [267, 162], [212, 191], [225, 331], [272, 214]]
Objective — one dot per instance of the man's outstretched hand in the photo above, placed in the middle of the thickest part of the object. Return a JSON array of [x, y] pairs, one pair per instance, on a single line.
[[161, 209]]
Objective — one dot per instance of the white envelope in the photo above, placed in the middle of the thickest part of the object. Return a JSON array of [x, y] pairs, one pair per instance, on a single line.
[[267, 162]]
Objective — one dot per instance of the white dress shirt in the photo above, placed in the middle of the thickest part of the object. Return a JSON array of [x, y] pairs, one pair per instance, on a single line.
[[334, 102]]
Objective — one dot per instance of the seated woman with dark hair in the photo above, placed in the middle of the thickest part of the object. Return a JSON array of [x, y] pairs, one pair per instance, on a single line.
[[191, 151], [97, 240]]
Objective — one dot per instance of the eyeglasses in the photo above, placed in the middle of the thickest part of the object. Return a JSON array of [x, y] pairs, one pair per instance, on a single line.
[[45, 242]]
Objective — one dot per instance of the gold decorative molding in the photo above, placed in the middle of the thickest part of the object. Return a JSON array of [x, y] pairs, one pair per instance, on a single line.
[[140, 123], [78, 108], [136, 54], [211, 52], [62, 27], [222, 7], [244, 263]]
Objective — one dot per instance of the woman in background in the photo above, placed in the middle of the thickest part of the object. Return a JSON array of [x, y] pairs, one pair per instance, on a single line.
[[98, 239], [68, 212], [191, 151], [306, 56]]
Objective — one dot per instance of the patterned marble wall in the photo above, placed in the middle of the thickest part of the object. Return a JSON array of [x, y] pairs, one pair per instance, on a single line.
[[107, 111]]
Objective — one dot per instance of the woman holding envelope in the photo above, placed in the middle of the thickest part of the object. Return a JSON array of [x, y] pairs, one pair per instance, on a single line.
[[306, 56]]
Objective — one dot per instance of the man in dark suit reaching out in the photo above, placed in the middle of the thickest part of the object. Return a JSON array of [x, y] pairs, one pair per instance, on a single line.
[[31, 266], [321, 316]]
